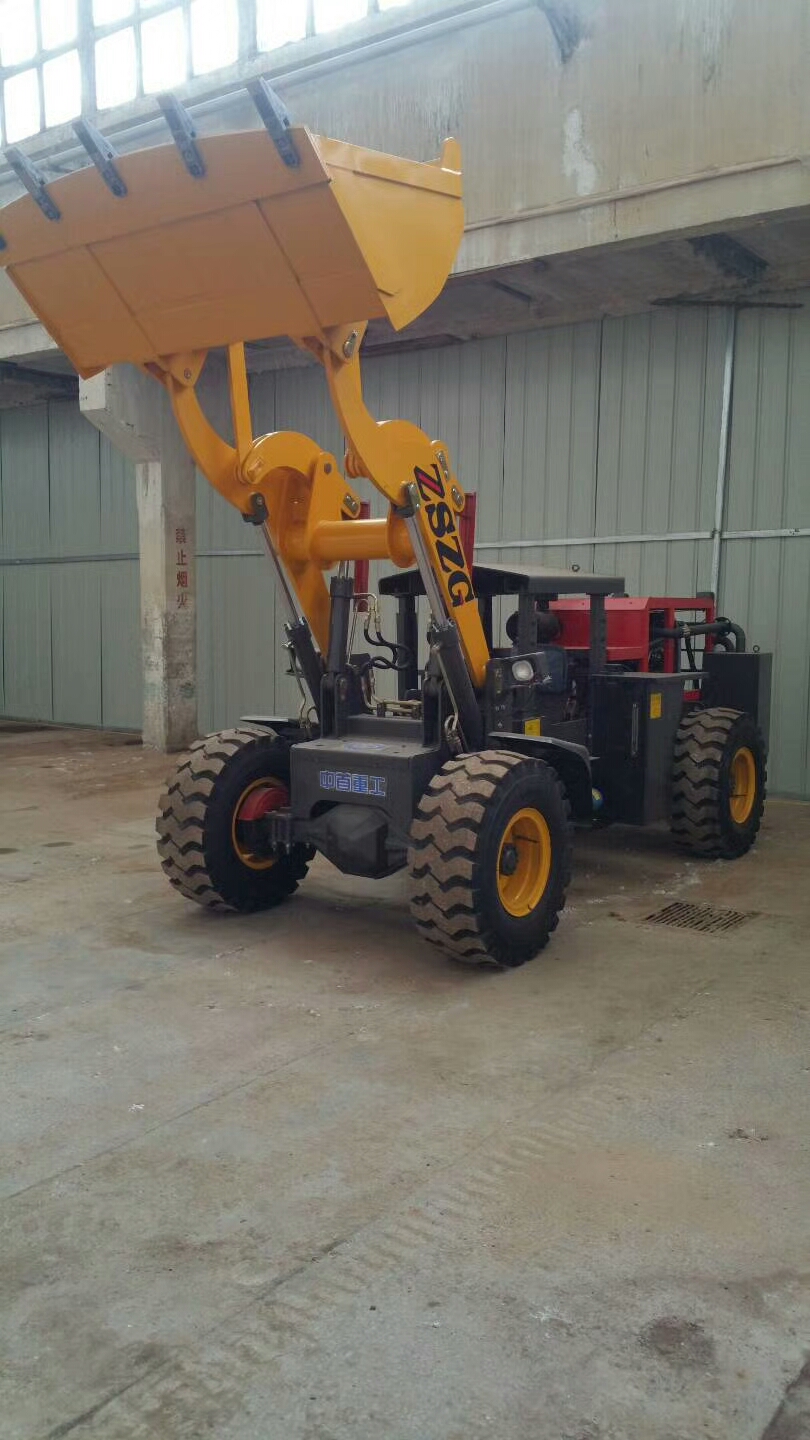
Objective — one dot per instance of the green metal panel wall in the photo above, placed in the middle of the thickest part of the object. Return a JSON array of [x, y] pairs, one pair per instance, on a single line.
[[659, 440], [579, 434], [241, 662], [765, 582], [69, 630]]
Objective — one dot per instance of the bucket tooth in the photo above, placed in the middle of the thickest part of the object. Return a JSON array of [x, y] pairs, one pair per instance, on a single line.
[[184, 134], [33, 179], [102, 154], [223, 240], [276, 119]]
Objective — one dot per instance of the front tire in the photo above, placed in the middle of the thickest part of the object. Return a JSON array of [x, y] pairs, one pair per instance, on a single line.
[[203, 826], [490, 858], [718, 783]]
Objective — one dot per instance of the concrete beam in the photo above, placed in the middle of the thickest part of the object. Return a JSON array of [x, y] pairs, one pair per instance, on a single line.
[[19, 386], [134, 413], [660, 211], [584, 127], [581, 124], [19, 340]]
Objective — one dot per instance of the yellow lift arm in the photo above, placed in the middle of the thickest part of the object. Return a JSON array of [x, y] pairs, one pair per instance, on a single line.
[[170, 252]]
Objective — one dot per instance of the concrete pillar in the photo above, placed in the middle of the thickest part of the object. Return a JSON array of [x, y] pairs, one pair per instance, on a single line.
[[134, 413]]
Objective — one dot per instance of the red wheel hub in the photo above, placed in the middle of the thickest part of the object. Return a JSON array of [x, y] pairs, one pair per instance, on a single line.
[[255, 802], [261, 800]]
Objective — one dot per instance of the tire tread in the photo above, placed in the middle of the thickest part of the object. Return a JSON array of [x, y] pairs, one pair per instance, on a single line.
[[696, 818], [442, 853], [182, 817]]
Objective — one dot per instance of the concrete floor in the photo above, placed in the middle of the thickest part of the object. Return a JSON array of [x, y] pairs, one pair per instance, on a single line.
[[295, 1177]]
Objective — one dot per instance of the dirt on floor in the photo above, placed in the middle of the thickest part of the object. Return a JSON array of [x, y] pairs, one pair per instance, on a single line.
[[295, 1176]]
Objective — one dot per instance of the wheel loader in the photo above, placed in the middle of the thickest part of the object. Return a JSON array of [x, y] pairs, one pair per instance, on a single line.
[[535, 698]]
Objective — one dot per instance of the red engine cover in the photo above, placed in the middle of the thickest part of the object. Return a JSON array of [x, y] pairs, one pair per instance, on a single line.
[[629, 620]]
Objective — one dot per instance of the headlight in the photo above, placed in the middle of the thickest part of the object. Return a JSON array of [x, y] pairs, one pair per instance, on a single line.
[[522, 671]]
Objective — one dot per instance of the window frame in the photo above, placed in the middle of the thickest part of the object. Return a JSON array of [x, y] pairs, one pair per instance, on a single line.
[[88, 33]]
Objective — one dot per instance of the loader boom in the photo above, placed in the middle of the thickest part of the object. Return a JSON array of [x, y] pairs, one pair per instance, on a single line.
[[291, 234]]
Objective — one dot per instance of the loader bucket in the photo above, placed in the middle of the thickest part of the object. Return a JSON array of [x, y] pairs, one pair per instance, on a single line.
[[249, 250]]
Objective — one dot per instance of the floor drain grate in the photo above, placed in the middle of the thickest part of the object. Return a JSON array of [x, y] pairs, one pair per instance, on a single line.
[[707, 918]]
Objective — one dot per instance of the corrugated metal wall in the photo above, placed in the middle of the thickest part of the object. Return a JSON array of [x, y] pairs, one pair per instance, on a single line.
[[69, 626], [578, 434], [241, 662], [765, 583]]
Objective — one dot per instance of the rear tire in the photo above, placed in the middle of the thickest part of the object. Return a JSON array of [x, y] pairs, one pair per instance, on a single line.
[[198, 841], [718, 783], [490, 858]]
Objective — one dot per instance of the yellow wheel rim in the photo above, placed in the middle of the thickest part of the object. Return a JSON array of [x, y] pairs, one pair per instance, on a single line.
[[743, 785], [253, 862], [524, 862]]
